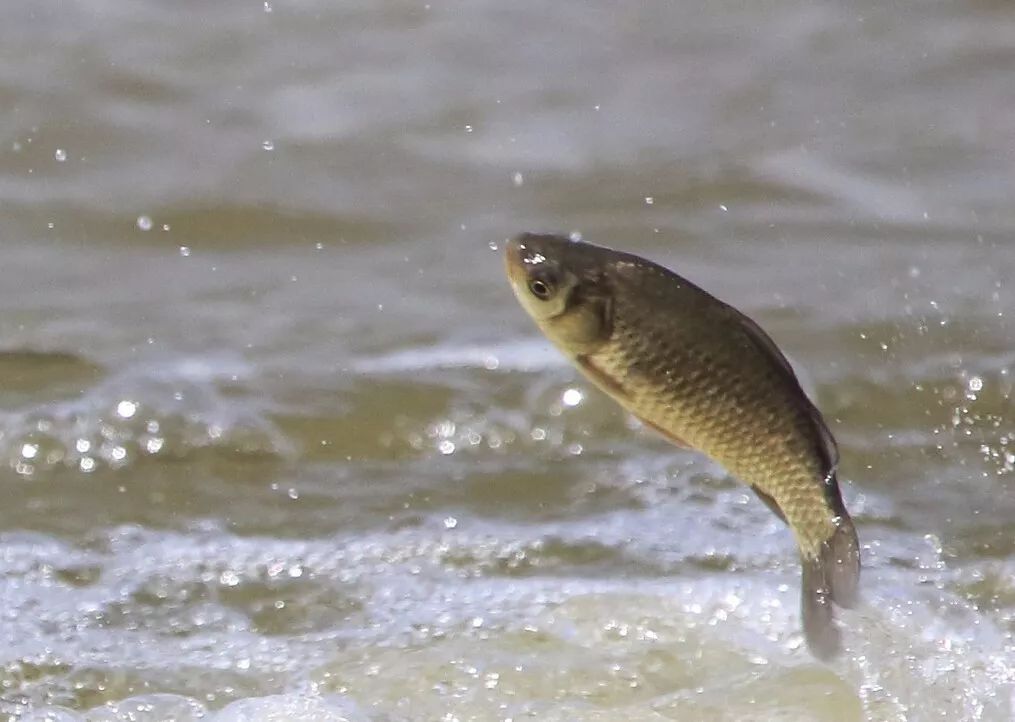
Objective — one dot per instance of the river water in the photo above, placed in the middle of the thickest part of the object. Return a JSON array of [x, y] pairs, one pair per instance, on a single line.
[[278, 444]]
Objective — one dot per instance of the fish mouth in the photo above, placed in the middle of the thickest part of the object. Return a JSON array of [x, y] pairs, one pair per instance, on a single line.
[[515, 253]]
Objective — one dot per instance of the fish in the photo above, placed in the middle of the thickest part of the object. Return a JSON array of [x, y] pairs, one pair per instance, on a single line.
[[706, 377]]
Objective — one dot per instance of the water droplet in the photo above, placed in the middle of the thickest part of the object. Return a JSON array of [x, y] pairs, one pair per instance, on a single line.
[[125, 409], [450, 522], [29, 451], [87, 464], [468, 129], [229, 578], [51, 225], [184, 251], [575, 236], [572, 397], [165, 226], [446, 447], [144, 223], [649, 200], [518, 179], [493, 245], [975, 383], [60, 155], [723, 208], [319, 246], [268, 145], [267, 6]]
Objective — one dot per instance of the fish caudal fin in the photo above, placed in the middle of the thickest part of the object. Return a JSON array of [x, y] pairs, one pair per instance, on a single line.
[[823, 638], [840, 559], [832, 576]]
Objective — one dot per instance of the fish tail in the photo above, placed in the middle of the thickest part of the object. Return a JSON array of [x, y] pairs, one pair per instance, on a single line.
[[840, 559], [820, 631], [832, 575]]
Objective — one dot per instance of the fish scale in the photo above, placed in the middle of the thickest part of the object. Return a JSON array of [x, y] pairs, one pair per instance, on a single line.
[[691, 408], [705, 376]]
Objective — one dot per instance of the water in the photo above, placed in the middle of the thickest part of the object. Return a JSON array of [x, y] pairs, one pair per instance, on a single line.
[[277, 443]]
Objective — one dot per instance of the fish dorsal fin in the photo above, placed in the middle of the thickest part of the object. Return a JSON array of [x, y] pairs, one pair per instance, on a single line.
[[763, 342], [831, 448]]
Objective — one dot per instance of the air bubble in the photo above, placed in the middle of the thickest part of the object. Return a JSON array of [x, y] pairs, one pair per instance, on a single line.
[[268, 145], [60, 155], [144, 223]]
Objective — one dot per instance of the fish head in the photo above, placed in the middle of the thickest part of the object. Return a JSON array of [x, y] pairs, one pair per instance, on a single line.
[[561, 284]]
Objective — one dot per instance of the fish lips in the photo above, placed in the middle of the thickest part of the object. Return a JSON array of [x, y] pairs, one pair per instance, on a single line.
[[518, 259]]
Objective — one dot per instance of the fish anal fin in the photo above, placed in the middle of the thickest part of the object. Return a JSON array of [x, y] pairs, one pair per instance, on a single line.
[[771, 503], [668, 435]]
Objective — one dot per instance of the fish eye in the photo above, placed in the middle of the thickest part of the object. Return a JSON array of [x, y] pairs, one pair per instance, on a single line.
[[541, 288]]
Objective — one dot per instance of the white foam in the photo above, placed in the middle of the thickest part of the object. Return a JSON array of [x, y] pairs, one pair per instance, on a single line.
[[527, 354], [291, 708]]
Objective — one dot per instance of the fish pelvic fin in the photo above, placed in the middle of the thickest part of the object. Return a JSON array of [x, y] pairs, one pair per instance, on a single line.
[[668, 435], [830, 577]]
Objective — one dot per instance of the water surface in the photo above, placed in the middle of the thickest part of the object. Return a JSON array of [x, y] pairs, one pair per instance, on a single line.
[[277, 443]]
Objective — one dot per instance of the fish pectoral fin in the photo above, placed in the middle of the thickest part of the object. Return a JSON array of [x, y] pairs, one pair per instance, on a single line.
[[771, 503], [669, 436], [602, 379]]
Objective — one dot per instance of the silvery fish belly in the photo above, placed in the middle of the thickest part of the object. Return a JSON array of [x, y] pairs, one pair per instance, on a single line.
[[707, 377]]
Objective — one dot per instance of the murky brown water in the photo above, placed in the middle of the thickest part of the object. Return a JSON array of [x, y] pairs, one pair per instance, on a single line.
[[278, 444]]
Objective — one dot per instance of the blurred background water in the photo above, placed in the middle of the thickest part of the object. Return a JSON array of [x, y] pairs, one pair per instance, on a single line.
[[277, 444]]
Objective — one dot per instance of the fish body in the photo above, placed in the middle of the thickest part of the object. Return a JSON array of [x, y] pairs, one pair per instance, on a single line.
[[707, 377]]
